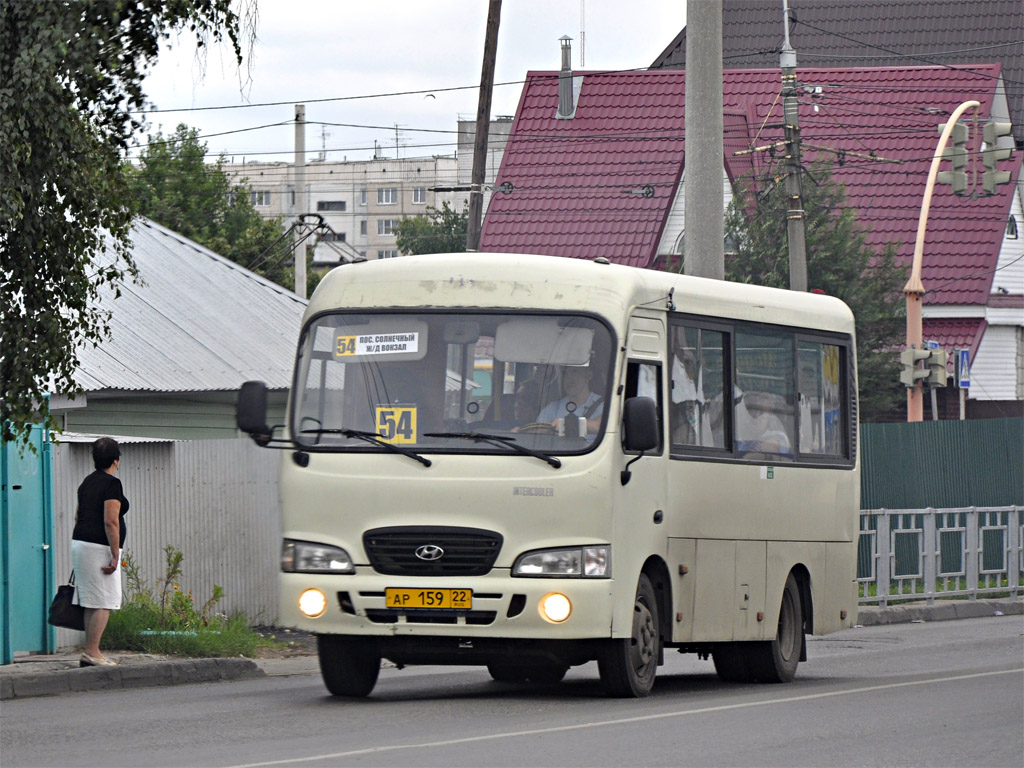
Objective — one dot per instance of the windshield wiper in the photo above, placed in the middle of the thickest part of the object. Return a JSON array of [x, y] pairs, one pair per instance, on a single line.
[[508, 442], [376, 438]]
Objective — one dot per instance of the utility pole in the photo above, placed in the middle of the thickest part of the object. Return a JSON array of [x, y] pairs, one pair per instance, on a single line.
[[483, 124], [704, 219], [794, 192], [299, 250]]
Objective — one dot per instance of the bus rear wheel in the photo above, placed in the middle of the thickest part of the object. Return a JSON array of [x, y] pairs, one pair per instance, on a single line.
[[627, 667], [776, 661], [349, 666]]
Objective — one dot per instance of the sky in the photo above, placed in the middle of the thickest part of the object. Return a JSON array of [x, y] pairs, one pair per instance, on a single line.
[[340, 51]]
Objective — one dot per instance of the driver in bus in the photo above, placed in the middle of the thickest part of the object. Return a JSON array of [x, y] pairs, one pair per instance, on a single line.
[[579, 400]]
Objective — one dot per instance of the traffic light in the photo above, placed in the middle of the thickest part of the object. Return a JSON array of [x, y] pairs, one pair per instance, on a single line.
[[936, 368], [912, 373], [991, 155], [957, 156]]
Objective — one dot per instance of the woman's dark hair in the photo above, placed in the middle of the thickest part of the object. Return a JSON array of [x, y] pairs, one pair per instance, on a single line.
[[104, 452]]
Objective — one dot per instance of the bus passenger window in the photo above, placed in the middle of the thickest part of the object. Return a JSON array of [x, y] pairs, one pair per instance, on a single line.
[[697, 415], [764, 393], [822, 425]]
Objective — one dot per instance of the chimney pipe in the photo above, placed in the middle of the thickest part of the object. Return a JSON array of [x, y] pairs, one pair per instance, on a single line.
[[566, 108]]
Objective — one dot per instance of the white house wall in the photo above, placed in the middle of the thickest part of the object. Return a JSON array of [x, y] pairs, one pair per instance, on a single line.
[[995, 370], [675, 225], [1010, 269], [214, 500]]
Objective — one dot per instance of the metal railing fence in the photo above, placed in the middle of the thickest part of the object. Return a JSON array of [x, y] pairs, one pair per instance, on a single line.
[[924, 554]]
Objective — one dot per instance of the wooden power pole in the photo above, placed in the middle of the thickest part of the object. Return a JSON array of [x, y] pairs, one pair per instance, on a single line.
[[483, 123]]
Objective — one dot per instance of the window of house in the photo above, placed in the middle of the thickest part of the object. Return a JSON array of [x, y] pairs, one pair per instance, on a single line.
[[260, 198], [362, 196], [1011, 228], [330, 205], [387, 196], [419, 194], [388, 254], [386, 226], [362, 227]]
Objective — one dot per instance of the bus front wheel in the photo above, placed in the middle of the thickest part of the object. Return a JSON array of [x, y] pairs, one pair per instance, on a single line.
[[627, 667], [349, 665]]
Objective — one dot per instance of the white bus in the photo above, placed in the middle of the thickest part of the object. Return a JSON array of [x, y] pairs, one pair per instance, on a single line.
[[530, 463]]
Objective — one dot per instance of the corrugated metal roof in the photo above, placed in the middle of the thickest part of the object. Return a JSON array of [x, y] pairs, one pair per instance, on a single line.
[[955, 333], [875, 33], [198, 322], [576, 186]]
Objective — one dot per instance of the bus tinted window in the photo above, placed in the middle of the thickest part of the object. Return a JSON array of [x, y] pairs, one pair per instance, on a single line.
[[698, 413]]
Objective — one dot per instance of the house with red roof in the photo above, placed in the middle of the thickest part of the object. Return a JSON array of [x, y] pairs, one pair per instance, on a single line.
[[604, 175]]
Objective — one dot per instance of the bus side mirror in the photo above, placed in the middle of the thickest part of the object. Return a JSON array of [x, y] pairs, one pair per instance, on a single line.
[[639, 430], [251, 411], [640, 424]]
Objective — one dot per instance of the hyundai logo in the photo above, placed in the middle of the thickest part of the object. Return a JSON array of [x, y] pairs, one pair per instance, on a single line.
[[429, 552]]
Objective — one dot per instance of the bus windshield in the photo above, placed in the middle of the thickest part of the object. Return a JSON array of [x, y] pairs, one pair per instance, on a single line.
[[443, 382]]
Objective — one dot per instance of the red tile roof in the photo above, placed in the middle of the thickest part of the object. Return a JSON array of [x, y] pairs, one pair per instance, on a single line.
[[602, 184], [874, 33], [955, 333]]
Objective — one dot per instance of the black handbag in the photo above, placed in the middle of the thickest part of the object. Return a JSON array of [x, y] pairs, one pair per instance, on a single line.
[[62, 612]]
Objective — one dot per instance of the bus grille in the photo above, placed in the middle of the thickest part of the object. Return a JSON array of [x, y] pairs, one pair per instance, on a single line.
[[463, 551]]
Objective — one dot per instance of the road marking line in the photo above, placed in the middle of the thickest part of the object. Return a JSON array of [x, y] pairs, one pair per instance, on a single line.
[[624, 720]]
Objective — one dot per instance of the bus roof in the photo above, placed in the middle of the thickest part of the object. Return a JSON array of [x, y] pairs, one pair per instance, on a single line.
[[528, 281]]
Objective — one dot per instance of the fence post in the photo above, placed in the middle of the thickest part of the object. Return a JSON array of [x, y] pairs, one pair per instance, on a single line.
[[973, 553], [929, 546], [1014, 548], [882, 566]]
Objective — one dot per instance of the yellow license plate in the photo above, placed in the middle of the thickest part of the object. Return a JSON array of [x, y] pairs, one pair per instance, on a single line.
[[461, 599]]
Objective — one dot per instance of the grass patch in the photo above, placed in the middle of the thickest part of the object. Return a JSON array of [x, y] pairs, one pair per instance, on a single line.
[[168, 621]]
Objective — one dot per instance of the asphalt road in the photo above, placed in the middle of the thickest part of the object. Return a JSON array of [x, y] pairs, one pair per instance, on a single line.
[[939, 694]]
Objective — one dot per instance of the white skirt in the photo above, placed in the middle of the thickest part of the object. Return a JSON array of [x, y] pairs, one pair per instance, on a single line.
[[94, 588]]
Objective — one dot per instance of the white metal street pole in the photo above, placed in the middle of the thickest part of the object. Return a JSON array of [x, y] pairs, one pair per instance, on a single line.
[[914, 289]]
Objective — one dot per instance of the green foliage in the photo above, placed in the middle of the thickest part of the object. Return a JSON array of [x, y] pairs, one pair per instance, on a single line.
[[173, 623], [70, 75], [440, 230], [175, 186], [839, 262]]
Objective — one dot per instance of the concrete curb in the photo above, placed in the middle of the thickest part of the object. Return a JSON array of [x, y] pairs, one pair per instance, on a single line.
[[64, 677], [942, 610]]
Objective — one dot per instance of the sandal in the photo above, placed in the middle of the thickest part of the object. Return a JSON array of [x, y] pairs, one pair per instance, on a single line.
[[95, 661]]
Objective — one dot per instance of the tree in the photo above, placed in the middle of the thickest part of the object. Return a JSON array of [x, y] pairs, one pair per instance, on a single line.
[[176, 187], [70, 77], [440, 230], [840, 263]]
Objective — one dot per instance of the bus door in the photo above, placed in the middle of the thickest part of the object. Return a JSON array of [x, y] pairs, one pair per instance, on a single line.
[[641, 503]]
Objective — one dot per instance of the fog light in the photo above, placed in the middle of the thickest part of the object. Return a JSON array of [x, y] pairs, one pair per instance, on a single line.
[[313, 603], [555, 607]]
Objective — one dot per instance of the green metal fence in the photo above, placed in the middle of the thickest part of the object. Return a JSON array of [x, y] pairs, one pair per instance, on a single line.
[[942, 464], [923, 554]]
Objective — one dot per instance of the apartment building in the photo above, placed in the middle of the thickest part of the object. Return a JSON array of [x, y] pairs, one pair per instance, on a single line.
[[360, 201]]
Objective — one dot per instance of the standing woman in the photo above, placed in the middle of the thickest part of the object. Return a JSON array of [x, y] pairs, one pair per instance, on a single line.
[[96, 547]]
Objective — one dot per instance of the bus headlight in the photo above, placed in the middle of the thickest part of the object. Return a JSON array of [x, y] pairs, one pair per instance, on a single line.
[[308, 557], [578, 562], [313, 603]]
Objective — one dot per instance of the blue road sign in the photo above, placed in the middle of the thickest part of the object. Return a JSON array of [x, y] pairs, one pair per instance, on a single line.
[[963, 368]]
